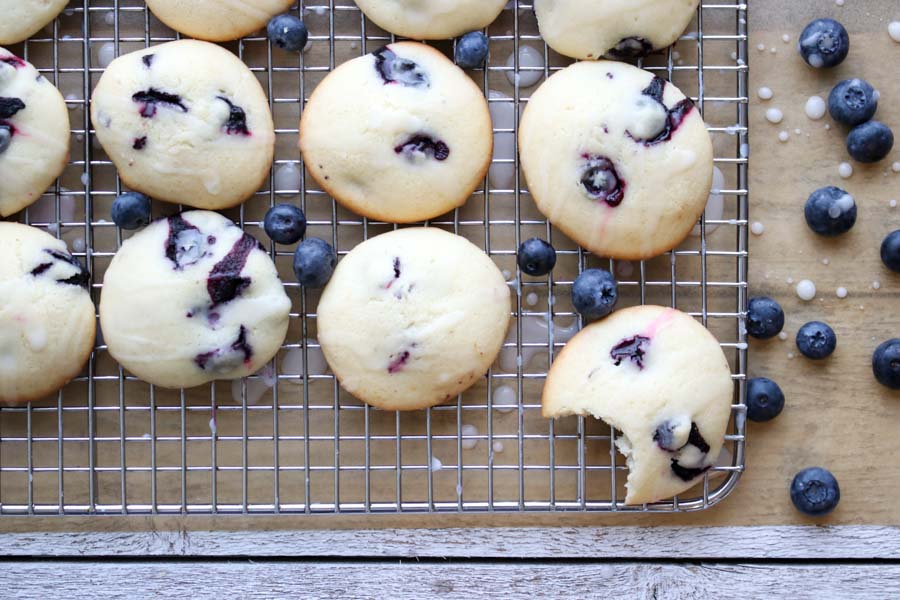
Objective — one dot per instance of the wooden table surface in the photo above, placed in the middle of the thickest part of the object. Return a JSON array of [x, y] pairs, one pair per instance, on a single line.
[[836, 416]]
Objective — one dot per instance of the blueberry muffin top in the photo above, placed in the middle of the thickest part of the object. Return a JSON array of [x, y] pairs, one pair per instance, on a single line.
[[617, 158], [46, 314], [661, 379], [34, 133], [192, 298], [185, 122]]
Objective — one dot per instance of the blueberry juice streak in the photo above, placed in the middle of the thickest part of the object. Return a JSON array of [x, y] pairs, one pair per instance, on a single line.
[[601, 181], [633, 349], [229, 357], [631, 47], [185, 245], [425, 145], [225, 283], [394, 69], [675, 116], [13, 61], [237, 119], [80, 279], [151, 98]]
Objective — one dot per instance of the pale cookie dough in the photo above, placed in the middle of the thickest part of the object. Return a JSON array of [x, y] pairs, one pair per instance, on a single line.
[[616, 158], [412, 318], [190, 299], [589, 29], [21, 19], [215, 20], [34, 134], [399, 135], [185, 122], [661, 379], [46, 314], [431, 19]]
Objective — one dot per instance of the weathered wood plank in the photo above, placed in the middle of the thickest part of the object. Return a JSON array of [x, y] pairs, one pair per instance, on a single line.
[[645, 543], [455, 580]]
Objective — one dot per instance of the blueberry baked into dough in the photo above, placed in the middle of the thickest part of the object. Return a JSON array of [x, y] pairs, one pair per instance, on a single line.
[[661, 379], [214, 20], [431, 19], [399, 135], [185, 122], [47, 321], [23, 18], [617, 158], [34, 134], [192, 298], [413, 317], [590, 29]]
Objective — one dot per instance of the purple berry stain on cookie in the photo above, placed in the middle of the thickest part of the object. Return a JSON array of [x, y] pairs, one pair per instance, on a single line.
[[80, 279], [396, 273], [398, 362], [394, 69], [424, 145], [229, 357], [13, 61], [601, 181], [633, 349], [664, 436], [184, 244], [225, 283], [631, 47], [150, 99], [147, 59], [675, 116], [10, 106], [237, 118], [139, 143]]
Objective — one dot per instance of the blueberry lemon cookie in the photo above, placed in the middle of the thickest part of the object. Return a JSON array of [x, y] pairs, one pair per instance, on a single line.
[[23, 18], [431, 19], [214, 20], [398, 135], [190, 299], [618, 28], [186, 122], [34, 133], [661, 379], [46, 314], [617, 158], [413, 317]]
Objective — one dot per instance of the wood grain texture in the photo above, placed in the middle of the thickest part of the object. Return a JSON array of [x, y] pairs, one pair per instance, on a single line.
[[643, 543], [454, 580]]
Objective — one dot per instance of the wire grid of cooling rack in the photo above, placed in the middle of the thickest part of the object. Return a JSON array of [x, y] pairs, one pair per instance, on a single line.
[[110, 444]]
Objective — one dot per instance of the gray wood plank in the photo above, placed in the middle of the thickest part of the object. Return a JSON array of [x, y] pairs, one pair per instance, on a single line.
[[454, 580], [642, 543]]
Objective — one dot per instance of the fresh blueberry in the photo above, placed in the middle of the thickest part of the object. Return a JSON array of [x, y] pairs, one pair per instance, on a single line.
[[595, 293], [765, 400], [131, 210], [824, 43], [815, 491], [314, 262], [886, 364], [870, 142], [765, 318], [288, 33], [890, 251], [830, 211], [5, 137], [471, 50], [536, 257], [816, 340], [852, 101], [285, 223]]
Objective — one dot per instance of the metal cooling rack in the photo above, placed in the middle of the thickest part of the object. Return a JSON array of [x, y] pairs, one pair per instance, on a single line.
[[110, 444]]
